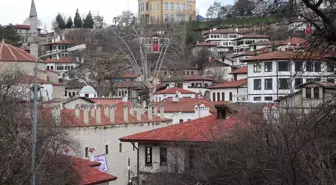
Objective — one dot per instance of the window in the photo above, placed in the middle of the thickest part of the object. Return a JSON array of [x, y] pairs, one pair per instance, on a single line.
[[298, 66], [66, 93], [298, 82], [147, 6], [268, 98], [268, 84], [86, 95], [69, 94], [309, 66], [86, 151], [317, 66], [268, 66], [181, 120], [190, 7], [309, 80], [213, 96], [52, 68], [166, 6], [47, 67], [330, 67], [283, 66], [183, 6], [177, 7], [120, 147], [73, 94], [163, 156], [148, 156], [172, 17], [318, 79], [230, 96], [106, 149], [308, 93], [283, 83], [223, 96], [158, 6], [331, 80], [218, 96], [166, 17], [257, 67], [316, 92], [171, 6], [256, 98], [257, 84]]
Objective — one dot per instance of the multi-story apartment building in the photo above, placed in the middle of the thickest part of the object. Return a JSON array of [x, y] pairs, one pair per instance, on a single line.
[[156, 11], [279, 73]]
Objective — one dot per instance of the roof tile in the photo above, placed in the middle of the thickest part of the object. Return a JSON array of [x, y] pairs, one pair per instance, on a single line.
[[11, 53], [232, 84], [173, 90]]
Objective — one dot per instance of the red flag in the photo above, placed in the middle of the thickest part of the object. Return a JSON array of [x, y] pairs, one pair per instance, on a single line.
[[156, 47], [308, 30]]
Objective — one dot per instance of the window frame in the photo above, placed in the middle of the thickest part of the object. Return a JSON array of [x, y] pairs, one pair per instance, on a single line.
[[255, 65], [267, 80], [163, 156], [254, 84], [283, 62], [148, 162], [288, 84], [268, 68]]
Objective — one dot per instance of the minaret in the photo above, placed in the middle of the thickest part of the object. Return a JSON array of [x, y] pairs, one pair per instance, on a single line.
[[33, 30]]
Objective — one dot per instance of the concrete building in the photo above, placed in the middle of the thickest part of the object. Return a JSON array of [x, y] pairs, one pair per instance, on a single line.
[[97, 130], [234, 91], [158, 11], [62, 65], [243, 43], [276, 74]]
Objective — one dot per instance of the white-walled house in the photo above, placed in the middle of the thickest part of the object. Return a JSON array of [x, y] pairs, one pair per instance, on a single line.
[[291, 43], [97, 130], [171, 92], [240, 73], [218, 70], [279, 73], [244, 42], [167, 150], [211, 47], [234, 91], [88, 92], [61, 65], [309, 97]]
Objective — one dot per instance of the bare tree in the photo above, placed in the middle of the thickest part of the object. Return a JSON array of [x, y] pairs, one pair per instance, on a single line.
[[52, 166], [27, 21]]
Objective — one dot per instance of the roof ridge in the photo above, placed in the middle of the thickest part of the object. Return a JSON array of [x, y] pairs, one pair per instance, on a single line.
[[19, 51], [11, 52]]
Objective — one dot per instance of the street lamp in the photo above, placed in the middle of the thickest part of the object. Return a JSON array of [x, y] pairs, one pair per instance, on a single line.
[[78, 48]]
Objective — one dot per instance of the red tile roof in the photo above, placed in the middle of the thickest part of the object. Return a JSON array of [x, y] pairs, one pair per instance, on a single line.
[[128, 75], [242, 70], [233, 84], [266, 43], [23, 26], [11, 53], [88, 174], [27, 79], [206, 44], [252, 35], [197, 78], [70, 120], [294, 41], [60, 60], [65, 42], [129, 84], [204, 129], [286, 55], [173, 90]]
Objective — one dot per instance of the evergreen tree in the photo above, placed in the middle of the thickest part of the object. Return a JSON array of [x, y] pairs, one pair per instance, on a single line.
[[69, 23], [9, 34], [60, 21], [88, 21], [78, 20]]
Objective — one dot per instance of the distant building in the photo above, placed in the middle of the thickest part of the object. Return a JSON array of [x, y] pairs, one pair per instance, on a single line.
[[167, 11], [234, 91], [244, 42], [88, 92]]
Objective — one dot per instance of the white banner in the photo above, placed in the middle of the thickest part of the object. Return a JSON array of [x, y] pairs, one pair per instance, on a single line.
[[102, 160]]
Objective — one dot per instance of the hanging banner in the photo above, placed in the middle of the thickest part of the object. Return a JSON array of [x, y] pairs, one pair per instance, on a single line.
[[308, 30], [102, 160], [156, 47]]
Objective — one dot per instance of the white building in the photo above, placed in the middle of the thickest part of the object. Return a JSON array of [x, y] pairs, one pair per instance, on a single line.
[[244, 42], [276, 74], [97, 130], [58, 44], [210, 47], [172, 92], [61, 65], [234, 91], [293, 43], [240, 73], [88, 92], [218, 70]]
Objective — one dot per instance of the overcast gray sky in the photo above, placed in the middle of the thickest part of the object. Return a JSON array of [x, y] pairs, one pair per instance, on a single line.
[[16, 11]]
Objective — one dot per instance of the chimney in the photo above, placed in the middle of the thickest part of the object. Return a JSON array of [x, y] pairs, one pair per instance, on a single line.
[[126, 113], [155, 110], [138, 113], [176, 98], [132, 110], [112, 113], [86, 114], [92, 111], [98, 114], [161, 111], [222, 111], [106, 110], [125, 98], [77, 111], [201, 111], [56, 113], [150, 112]]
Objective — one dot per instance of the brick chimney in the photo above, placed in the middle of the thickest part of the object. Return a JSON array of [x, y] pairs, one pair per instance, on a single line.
[[150, 112], [222, 111], [98, 114], [138, 113], [56, 113], [126, 113], [106, 110], [161, 111], [112, 113], [77, 111], [92, 111], [86, 114]]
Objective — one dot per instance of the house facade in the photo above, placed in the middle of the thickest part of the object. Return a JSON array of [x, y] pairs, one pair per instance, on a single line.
[[244, 42], [234, 91], [172, 92], [276, 74], [61, 66]]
